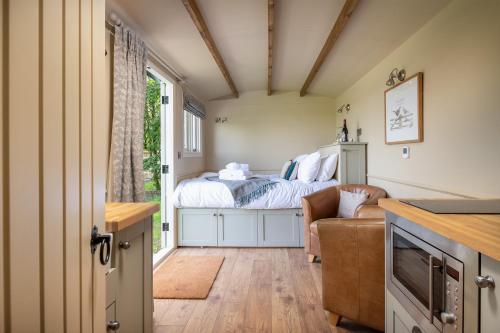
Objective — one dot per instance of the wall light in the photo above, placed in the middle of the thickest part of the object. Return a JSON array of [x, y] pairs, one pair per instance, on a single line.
[[220, 120], [395, 73], [346, 107]]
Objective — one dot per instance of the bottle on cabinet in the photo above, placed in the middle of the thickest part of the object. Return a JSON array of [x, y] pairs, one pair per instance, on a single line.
[[345, 132]]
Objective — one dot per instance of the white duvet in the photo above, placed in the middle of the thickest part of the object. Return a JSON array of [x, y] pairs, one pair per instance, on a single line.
[[202, 193]]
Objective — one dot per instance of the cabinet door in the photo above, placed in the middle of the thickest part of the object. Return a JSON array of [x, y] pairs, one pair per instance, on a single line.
[[490, 297], [279, 228], [353, 164], [134, 279], [397, 320], [237, 227], [197, 227]]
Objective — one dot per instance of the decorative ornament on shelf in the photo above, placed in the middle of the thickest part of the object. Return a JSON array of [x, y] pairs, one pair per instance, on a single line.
[[396, 74]]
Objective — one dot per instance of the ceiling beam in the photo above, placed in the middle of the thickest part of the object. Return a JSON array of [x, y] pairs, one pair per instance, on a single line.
[[270, 29], [338, 27], [200, 24]]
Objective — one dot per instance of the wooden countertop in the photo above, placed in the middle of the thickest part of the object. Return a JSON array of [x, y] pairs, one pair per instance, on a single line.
[[479, 232], [120, 215]]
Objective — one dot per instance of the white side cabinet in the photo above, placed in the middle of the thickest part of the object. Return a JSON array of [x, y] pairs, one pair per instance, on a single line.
[[490, 297], [352, 161]]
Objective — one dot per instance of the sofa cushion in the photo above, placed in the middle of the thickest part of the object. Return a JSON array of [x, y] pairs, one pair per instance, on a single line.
[[349, 202]]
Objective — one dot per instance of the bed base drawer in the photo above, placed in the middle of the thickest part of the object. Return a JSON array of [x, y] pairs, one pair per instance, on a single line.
[[240, 227]]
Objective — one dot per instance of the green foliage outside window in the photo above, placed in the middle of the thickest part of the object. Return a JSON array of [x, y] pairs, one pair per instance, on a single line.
[[152, 128]]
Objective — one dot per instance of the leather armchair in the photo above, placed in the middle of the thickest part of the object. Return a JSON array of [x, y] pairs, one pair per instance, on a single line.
[[352, 265], [324, 204]]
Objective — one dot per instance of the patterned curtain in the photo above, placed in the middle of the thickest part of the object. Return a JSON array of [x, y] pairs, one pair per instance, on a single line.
[[127, 141]]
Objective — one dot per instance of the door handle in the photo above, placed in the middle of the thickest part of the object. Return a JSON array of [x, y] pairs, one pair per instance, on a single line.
[[104, 241], [484, 281], [124, 245], [113, 325]]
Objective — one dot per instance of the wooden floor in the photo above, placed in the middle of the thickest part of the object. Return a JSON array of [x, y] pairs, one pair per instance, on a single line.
[[256, 290]]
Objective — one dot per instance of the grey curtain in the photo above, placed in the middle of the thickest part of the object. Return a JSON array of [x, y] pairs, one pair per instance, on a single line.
[[129, 86]]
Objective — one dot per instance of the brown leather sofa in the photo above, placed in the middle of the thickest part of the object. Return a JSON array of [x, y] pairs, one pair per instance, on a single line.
[[352, 264], [324, 204]]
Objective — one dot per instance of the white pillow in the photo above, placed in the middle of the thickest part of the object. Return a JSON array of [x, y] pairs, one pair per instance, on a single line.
[[285, 168], [349, 202], [300, 158], [309, 167], [327, 168]]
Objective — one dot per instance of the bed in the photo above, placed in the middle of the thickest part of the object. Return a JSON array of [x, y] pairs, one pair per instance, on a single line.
[[202, 193], [206, 213]]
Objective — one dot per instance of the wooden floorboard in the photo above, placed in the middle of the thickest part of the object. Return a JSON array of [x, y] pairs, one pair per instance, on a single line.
[[256, 290]]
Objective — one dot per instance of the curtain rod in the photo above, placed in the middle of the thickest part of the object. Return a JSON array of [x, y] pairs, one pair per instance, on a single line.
[[170, 71]]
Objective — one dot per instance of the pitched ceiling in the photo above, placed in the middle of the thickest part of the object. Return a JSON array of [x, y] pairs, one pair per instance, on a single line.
[[239, 28]]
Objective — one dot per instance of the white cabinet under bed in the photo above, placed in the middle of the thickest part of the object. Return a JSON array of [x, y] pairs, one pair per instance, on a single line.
[[279, 228], [237, 227], [197, 227], [240, 227]]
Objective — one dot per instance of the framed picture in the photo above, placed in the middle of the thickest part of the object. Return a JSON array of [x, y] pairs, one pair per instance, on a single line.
[[404, 111]]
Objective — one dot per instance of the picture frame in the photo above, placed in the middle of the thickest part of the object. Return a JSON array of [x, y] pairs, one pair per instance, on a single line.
[[403, 110]]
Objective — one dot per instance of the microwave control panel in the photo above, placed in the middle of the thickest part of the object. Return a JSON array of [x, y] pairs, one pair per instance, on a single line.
[[452, 318]]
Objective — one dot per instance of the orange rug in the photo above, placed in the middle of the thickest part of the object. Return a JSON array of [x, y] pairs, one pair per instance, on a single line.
[[186, 277]]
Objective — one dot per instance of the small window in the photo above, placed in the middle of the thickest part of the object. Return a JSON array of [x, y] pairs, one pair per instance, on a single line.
[[192, 134]]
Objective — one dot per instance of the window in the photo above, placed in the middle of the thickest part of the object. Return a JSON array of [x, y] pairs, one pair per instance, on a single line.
[[192, 134]]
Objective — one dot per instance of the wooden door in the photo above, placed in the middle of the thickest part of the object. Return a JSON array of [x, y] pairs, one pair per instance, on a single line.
[[53, 165]]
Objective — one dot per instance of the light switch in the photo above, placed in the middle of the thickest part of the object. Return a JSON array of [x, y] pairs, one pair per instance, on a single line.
[[406, 152]]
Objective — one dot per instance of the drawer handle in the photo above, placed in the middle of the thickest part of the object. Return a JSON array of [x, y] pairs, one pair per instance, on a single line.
[[113, 325], [416, 329], [215, 214], [124, 245], [484, 281]]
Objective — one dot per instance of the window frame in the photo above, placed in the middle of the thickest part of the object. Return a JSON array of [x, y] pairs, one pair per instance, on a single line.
[[192, 134]]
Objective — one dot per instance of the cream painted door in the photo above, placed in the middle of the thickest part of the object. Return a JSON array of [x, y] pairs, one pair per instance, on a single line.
[[53, 165]]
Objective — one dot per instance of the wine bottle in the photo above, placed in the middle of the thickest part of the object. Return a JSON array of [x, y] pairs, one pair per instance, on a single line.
[[345, 132]]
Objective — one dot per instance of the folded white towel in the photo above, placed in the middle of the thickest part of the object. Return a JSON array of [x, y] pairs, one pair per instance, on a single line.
[[234, 174], [239, 172], [229, 177], [233, 166]]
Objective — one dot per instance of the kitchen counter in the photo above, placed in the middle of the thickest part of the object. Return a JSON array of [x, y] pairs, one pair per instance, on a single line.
[[478, 232], [120, 215]]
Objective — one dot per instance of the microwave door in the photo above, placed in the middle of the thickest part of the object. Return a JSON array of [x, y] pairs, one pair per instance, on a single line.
[[416, 269]]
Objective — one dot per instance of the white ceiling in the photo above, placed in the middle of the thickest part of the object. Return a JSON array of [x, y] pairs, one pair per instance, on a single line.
[[239, 28]]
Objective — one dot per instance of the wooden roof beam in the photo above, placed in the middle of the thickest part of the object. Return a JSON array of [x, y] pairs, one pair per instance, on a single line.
[[338, 27], [199, 22], [270, 30]]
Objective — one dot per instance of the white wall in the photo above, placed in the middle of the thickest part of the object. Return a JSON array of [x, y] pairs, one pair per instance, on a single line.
[[459, 53], [265, 131]]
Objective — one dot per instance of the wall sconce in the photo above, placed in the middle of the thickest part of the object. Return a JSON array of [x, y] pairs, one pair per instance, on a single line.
[[220, 120], [346, 107], [395, 73]]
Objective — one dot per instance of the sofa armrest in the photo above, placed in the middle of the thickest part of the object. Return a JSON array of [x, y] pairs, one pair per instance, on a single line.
[[352, 264], [320, 205], [370, 211]]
